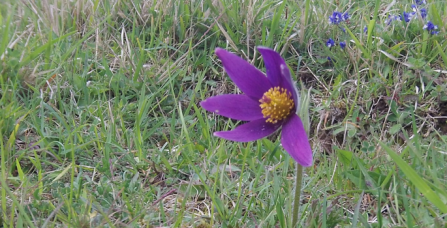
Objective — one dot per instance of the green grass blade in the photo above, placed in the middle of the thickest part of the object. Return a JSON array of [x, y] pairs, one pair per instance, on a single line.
[[417, 180]]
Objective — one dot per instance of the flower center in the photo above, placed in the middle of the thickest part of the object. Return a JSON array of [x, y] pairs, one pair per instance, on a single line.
[[276, 104]]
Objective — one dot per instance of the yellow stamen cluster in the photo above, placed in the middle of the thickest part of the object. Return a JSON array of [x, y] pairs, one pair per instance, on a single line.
[[276, 104]]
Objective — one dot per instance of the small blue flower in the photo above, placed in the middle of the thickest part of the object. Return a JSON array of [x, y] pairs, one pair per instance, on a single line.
[[408, 16], [346, 16], [414, 7], [392, 18], [422, 10], [430, 27], [329, 58], [330, 43], [365, 30], [342, 45], [423, 13], [420, 2], [337, 17]]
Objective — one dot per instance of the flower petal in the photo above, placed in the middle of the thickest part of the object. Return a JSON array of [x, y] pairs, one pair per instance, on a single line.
[[250, 131], [289, 85], [295, 141], [277, 72], [272, 62], [250, 80], [239, 107]]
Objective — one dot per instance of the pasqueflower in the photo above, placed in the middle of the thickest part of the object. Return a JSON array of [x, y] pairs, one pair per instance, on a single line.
[[268, 103]]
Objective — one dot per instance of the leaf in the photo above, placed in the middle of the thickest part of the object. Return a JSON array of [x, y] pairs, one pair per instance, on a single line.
[[344, 156], [358, 178], [358, 44], [226, 168], [416, 179], [357, 211], [44, 47], [280, 214], [396, 128], [442, 53], [61, 174], [193, 190]]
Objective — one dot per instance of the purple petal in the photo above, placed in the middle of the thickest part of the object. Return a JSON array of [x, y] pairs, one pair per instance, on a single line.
[[277, 71], [239, 107], [288, 84], [295, 141], [272, 62], [250, 131], [250, 80]]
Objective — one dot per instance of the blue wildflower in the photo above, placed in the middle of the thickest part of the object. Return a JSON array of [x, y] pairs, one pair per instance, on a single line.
[[392, 18], [336, 18], [346, 16], [408, 16], [423, 13], [342, 45], [430, 27], [420, 2], [365, 30], [330, 43]]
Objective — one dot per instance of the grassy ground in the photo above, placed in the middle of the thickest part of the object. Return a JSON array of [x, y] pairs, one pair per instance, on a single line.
[[100, 122]]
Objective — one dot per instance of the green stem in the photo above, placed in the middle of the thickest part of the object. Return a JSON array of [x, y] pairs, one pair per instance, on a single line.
[[296, 201]]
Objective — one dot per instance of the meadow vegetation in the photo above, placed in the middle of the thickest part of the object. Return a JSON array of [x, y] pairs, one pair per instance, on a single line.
[[100, 122]]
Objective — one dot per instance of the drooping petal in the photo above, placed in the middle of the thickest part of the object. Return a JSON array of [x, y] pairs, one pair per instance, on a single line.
[[250, 80], [250, 131], [295, 141], [239, 107], [277, 71]]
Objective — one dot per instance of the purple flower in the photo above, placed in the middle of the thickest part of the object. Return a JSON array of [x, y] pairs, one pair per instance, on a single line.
[[365, 29], [342, 45], [431, 28], [268, 103], [330, 43]]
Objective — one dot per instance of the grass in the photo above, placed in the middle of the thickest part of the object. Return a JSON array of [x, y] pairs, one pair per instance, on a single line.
[[100, 122]]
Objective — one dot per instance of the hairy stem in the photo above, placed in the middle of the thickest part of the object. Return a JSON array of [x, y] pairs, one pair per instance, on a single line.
[[296, 201]]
